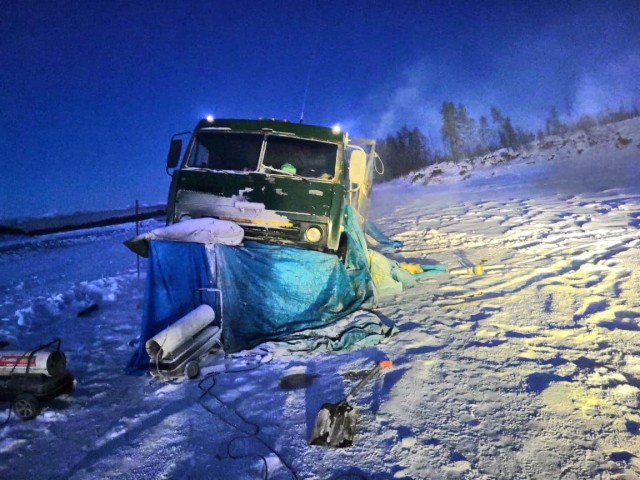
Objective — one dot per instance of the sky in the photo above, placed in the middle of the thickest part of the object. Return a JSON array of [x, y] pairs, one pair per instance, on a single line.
[[91, 92]]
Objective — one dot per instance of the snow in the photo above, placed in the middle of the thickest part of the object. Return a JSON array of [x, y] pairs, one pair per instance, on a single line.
[[528, 370]]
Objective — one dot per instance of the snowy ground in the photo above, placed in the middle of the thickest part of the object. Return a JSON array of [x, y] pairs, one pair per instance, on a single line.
[[529, 370]]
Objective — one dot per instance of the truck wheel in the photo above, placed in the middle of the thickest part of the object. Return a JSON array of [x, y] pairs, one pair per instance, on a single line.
[[26, 406], [192, 369]]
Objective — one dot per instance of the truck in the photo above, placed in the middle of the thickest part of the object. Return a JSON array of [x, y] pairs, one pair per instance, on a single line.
[[282, 182]]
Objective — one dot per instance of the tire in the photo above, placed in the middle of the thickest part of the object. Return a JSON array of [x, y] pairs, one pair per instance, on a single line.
[[26, 406], [192, 369]]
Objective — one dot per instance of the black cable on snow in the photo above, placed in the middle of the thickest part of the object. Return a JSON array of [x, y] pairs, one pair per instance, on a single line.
[[255, 433]]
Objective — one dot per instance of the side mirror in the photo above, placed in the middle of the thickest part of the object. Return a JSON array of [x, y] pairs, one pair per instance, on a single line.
[[175, 149], [357, 167]]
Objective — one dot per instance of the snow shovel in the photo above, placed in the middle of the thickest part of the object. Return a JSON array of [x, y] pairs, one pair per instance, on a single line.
[[336, 422]]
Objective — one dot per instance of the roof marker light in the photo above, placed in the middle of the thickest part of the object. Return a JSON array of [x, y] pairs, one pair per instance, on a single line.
[[336, 129], [210, 118]]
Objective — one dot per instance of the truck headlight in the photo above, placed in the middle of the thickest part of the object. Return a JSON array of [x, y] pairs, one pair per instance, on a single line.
[[313, 235]]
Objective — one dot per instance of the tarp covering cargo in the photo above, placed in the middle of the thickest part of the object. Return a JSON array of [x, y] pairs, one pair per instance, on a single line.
[[268, 291]]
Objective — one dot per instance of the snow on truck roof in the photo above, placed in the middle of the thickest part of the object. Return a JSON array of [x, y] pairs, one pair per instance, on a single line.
[[279, 126]]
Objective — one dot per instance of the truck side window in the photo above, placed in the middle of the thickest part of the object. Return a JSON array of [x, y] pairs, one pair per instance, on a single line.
[[201, 156]]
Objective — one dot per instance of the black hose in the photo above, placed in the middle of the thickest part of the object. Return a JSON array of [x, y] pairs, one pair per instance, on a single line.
[[208, 391]]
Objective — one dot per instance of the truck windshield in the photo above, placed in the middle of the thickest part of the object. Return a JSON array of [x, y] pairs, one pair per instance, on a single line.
[[241, 152], [226, 151], [308, 158]]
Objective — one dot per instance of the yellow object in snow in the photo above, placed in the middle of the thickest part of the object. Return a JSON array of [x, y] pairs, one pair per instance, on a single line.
[[412, 268]]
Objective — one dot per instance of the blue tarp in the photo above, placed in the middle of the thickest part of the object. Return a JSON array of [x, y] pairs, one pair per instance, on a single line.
[[175, 272], [268, 291], [381, 242]]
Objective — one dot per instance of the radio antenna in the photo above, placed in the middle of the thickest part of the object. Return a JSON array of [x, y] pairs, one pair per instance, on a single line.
[[306, 88]]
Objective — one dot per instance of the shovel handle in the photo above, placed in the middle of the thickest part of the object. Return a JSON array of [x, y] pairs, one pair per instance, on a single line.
[[376, 369]]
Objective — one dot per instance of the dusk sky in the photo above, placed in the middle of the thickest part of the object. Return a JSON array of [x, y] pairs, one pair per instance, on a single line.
[[91, 92]]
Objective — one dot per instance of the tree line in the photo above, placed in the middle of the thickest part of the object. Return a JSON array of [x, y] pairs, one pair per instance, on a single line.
[[463, 136]]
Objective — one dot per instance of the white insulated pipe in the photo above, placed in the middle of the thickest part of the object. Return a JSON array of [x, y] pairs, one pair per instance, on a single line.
[[174, 336]]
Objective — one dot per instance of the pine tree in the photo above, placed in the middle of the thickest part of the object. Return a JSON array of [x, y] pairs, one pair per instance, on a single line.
[[404, 152], [508, 137], [496, 115], [553, 125], [484, 134], [523, 136], [384, 149], [506, 133], [450, 132], [467, 128]]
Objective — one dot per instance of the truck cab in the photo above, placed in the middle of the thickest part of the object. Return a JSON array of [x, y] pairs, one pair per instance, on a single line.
[[282, 182]]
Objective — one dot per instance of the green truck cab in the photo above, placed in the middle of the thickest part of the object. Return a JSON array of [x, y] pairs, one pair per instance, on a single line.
[[282, 182]]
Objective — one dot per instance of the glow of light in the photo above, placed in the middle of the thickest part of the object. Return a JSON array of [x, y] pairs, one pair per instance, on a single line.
[[313, 235], [336, 129], [210, 118]]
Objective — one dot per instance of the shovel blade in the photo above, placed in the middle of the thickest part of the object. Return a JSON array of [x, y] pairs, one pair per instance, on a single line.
[[335, 426]]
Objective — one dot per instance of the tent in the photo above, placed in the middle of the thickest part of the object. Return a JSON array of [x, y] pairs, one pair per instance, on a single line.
[[260, 291]]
